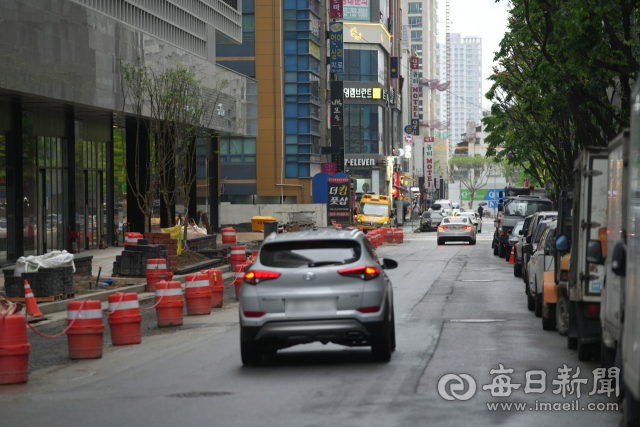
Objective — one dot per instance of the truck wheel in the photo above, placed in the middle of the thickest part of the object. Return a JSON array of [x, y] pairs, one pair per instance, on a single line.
[[507, 253], [538, 305], [495, 248], [517, 269], [562, 315], [501, 250], [548, 324], [586, 352], [607, 356], [530, 302]]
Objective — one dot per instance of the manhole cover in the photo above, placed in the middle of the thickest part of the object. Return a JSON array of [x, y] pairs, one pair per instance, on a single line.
[[476, 320], [201, 394]]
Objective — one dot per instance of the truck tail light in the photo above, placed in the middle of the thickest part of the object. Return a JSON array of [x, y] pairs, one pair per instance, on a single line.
[[255, 277], [593, 309], [364, 273]]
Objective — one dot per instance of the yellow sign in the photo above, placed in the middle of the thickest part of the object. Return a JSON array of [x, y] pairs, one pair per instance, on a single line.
[[377, 93], [314, 49], [176, 233]]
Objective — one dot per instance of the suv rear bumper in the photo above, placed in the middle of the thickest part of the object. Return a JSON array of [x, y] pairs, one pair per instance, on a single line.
[[350, 332]]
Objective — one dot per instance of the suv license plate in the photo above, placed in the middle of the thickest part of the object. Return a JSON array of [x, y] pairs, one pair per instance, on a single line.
[[310, 306]]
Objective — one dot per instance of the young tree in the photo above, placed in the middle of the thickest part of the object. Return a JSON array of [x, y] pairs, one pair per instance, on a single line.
[[473, 172]]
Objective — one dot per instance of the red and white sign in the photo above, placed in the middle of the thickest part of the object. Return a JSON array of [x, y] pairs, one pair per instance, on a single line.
[[428, 139], [428, 167], [408, 139], [335, 9], [415, 63]]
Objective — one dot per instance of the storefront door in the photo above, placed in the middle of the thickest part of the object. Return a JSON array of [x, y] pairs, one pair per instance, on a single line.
[[50, 230]]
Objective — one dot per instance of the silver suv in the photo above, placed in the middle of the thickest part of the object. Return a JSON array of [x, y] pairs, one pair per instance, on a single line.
[[324, 285]]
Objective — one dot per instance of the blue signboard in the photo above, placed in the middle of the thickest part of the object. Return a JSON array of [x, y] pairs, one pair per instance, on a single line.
[[337, 47], [408, 129], [394, 67]]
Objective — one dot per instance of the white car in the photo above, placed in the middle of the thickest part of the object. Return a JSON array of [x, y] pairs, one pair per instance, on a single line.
[[541, 262], [475, 219]]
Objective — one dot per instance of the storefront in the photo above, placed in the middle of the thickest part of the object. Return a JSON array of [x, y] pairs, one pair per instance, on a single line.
[[369, 171]]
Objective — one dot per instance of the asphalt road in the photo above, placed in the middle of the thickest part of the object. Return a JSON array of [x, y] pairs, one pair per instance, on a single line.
[[459, 310]]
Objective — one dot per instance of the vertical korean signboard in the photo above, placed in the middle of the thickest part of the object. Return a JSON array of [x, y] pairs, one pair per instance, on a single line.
[[415, 95], [356, 10], [339, 200], [337, 116], [336, 47], [428, 165], [335, 11]]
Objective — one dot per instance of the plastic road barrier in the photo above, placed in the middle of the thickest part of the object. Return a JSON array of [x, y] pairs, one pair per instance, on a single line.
[[228, 236], [85, 334], [124, 319], [14, 350], [169, 304], [198, 294]]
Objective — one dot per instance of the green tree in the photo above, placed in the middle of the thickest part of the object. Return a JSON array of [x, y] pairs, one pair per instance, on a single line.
[[473, 172], [563, 82]]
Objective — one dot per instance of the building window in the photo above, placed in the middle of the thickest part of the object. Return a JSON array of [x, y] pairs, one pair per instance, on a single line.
[[248, 26], [416, 36], [363, 126], [415, 8], [417, 48], [363, 66], [237, 150], [415, 21]]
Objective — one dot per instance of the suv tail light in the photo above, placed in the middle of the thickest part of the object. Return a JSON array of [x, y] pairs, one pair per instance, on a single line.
[[253, 313], [364, 273], [369, 309], [255, 277]]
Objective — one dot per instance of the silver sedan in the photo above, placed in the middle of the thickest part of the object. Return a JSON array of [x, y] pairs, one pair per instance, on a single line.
[[456, 229], [324, 285]]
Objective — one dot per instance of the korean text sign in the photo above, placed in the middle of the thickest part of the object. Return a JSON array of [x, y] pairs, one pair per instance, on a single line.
[[336, 47], [339, 197]]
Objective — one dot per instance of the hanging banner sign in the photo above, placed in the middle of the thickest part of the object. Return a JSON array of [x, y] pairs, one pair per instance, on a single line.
[[428, 167], [336, 47], [335, 9]]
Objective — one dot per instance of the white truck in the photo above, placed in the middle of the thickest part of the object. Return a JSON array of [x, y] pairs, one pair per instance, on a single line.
[[589, 212]]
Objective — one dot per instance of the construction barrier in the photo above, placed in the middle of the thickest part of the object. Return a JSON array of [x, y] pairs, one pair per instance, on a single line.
[[238, 256], [388, 235], [380, 238], [169, 304], [14, 350], [131, 238], [398, 235], [156, 272], [198, 294], [217, 288], [85, 335], [124, 319], [228, 236], [372, 240]]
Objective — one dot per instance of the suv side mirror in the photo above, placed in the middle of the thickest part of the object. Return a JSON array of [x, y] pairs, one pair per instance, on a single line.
[[562, 243], [594, 252], [528, 239], [619, 260], [388, 263]]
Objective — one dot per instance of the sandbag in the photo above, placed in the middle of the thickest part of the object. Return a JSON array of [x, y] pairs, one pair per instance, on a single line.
[[52, 259]]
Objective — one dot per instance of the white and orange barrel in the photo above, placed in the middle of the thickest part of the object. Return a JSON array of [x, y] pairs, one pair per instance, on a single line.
[[238, 256], [198, 294], [169, 304], [85, 336], [124, 319], [228, 236]]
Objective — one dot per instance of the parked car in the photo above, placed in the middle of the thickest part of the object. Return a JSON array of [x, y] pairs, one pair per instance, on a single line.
[[517, 252], [322, 285], [531, 248], [456, 229], [430, 221], [515, 235], [475, 219], [535, 222]]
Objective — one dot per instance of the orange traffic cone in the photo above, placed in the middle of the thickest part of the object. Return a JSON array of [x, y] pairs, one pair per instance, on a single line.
[[30, 301], [511, 260]]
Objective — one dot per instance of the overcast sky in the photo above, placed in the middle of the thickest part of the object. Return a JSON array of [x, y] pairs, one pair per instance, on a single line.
[[483, 18]]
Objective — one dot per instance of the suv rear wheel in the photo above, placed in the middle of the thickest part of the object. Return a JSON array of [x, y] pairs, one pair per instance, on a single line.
[[250, 353], [382, 346]]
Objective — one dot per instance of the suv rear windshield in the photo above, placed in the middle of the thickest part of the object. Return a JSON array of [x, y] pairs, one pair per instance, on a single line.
[[541, 227], [526, 207], [312, 253]]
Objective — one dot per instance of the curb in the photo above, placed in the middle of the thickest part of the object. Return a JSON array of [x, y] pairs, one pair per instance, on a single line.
[[57, 306]]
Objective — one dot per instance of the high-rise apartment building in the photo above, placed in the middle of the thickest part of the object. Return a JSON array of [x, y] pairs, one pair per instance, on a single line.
[[466, 83]]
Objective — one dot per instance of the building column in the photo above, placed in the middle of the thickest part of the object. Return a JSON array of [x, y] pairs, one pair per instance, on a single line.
[[135, 216]]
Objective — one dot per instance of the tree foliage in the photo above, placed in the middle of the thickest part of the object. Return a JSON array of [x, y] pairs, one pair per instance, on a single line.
[[563, 83]]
